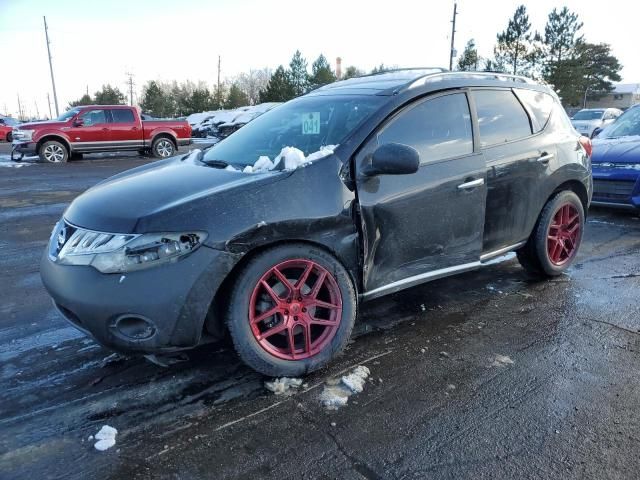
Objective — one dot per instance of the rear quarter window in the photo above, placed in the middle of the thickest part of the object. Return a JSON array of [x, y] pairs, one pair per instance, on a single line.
[[122, 116], [501, 117], [540, 105]]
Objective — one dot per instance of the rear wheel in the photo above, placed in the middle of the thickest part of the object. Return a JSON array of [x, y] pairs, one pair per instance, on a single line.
[[291, 310], [555, 240], [53, 152], [9, 137], [163, 147]]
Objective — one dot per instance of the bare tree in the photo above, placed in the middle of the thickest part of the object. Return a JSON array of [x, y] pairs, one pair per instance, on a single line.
[[252, 82]]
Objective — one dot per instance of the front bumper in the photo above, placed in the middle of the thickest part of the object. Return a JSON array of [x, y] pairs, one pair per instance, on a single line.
[[616, 185], [170, 301], [26, 148]]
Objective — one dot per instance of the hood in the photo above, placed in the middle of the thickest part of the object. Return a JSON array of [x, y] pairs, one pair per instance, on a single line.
[[624, 150], [586, 123], [43, 124], [127, 203]]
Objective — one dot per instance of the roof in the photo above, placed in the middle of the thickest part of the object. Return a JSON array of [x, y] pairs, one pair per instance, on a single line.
[[391, 82], [627, 88]]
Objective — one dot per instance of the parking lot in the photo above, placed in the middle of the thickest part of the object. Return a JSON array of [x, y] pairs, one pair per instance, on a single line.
[[490, 374]]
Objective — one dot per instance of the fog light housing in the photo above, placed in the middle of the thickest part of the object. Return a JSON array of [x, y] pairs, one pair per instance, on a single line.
[[134, 327]]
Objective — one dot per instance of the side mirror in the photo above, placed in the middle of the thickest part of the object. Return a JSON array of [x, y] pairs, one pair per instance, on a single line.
[[596, 131], [78, 122], [392, 159]]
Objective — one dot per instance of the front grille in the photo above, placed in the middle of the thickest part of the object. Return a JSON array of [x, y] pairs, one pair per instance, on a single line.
[[613, 189]]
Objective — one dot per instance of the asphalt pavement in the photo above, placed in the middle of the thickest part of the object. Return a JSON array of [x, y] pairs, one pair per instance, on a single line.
[[490, 374]]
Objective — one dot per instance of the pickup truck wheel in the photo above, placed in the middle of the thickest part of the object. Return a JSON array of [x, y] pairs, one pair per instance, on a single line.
[[291, 310], [53, 152], [555, 240], [163, 148], [9, 137]]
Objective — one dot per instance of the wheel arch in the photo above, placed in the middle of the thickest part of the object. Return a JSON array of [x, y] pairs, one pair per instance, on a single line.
[[578, 188], [164, 134], [57, 138]]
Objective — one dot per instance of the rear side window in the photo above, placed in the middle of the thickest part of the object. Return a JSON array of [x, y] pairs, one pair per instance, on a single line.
[[501, 117], [122, 116], [438, 128], [539, 104]]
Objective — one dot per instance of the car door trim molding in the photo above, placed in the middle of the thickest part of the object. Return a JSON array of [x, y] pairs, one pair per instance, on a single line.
[[471, 184], [501, 251]]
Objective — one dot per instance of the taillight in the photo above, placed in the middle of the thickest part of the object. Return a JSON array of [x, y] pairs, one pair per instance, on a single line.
[[586, 144]]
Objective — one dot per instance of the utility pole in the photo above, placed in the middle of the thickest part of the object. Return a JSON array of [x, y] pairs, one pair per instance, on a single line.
[[49, 104], [37, 111], [453, 35], [53, 82], [130, 82], [219, 92], [19, 108]]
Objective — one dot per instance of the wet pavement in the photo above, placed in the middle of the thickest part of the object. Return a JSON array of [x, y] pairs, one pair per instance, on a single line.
[[490, 374]]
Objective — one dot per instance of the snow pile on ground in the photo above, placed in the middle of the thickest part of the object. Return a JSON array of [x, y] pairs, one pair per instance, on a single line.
[[291, 156], [337, 391], [284, 385], [228, 118], [106, 438], [5, 161], [501, 361]]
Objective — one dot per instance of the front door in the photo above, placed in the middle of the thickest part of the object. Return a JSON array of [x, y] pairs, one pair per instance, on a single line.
[[92, 133], [430, 223]]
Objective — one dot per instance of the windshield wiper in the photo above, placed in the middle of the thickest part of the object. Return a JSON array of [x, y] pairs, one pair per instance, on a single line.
[[216, 163]]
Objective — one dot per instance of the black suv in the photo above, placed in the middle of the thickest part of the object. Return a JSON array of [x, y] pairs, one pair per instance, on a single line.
[[359, 189]]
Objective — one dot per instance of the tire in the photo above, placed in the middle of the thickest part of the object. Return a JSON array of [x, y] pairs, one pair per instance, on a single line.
[[53, 152], [163, 147], [9, 137], [296, 310], [555, 240]]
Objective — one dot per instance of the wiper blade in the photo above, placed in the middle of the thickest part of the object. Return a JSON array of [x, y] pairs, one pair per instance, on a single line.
[[216, 163]]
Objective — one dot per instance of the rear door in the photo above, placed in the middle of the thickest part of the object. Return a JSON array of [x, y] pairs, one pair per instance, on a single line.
[[518, 158], [126, 132], [429, 223], [93, 134]]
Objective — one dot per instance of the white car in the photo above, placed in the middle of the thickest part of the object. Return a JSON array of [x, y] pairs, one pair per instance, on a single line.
[[588, 119]]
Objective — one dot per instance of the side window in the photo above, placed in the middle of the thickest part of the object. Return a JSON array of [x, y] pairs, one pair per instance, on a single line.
[[122, 116], [501, 117], [438, 128], [93, 117], [539, 104]]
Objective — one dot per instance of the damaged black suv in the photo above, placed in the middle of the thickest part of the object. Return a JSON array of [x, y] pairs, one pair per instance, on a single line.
[[359, 189]]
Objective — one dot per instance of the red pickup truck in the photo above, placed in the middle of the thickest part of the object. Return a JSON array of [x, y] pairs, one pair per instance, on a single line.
[[99, 128]]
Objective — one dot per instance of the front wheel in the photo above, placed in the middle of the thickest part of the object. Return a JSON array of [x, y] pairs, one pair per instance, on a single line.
[[163, 148], [10, 137], [53, 152], [291, 310], [556, 238]]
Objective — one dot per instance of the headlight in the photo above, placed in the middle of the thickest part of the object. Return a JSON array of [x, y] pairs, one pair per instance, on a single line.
[[118, 253], [19, 134]]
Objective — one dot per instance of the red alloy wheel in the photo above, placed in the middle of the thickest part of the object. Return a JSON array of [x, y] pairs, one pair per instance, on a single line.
[[295, 309], [563, 234]]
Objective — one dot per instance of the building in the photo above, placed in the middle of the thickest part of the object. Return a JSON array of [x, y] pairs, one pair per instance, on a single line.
[[623, 96]]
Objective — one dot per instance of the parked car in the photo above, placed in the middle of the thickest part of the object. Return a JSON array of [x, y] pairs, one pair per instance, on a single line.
[[587, 120], [357, 190], [6, 128], [616, 162], [100, 128]]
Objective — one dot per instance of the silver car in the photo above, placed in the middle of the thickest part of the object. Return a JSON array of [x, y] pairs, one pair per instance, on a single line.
[[588, 119]]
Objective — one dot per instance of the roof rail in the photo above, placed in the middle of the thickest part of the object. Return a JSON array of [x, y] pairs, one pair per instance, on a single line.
[[485, 75], [407, 69]]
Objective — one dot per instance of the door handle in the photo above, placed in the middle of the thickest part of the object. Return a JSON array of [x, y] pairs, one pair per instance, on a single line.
[[105, 129], [471, 184], [134, 128], [545, 157]]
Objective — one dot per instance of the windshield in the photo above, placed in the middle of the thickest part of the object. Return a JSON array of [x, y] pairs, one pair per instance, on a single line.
[[588, 115], [627, 124], [10, 122], [307, 123], [67, 115]]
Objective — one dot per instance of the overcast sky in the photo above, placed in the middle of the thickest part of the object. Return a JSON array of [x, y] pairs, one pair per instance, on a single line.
[[96, 42]]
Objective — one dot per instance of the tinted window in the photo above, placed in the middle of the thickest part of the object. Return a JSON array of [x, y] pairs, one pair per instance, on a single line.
[[588, 115], [438, 128], [500, 116], [539, 104], [93, 117], [627, 124], [122, 116]]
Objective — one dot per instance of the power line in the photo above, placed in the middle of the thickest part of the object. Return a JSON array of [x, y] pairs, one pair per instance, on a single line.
[[453, 35], [53, 82]]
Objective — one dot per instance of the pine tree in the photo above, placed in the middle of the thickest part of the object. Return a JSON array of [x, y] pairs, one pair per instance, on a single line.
[[351, 72], [236, 98], [298, 74], [515, 48], [561, 34], [321, 73], [109, 96], [84, 100], [279, 89], [197, 100], [469, 59], [379, 69], [154, 102]]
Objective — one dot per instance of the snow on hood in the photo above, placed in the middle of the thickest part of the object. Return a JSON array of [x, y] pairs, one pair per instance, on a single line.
[[232, 117], [291, 156]]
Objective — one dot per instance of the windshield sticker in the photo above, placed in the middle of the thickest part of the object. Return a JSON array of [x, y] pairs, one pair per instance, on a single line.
[[311, 123]]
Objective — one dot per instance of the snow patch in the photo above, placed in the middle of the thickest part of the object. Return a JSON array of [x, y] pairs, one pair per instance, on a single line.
[[106, 438], [228, 118], [291, 157], [284, 385], [337, 391], [501, 361]]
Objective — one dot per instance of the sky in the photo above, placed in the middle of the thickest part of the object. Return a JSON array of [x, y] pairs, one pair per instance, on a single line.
[[98, 42]]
